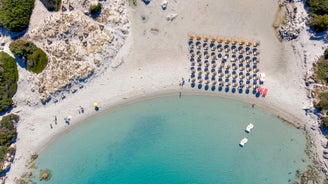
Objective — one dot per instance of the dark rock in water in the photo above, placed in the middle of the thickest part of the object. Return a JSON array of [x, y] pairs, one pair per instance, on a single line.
[[64, 8], [101, 27], [49, 42], [86, 35], [71, 8], [85, 44]]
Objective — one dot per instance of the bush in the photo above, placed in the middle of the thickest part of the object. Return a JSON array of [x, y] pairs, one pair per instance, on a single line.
[[318, 7], [22, 48], [95, 9], [318, 10], [37, 61], [321, 70], [325, 121], [319, 23], [8, 121], [7, 135], [8, 82], [15, 14], [51, 5], [323, 101], [35, 58]]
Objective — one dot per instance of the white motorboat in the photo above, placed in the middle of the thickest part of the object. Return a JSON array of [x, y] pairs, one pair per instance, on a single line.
[[243, 142], [249, 127]]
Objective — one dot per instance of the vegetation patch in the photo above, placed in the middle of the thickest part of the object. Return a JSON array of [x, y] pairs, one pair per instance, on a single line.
[[35, 58], [95, 9], [15, 14], [51, 5], [7, 135], [318, 10], [321, 69], [8, 81]]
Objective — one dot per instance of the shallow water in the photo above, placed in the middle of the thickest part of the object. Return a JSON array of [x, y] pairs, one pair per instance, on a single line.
[[170, 140]]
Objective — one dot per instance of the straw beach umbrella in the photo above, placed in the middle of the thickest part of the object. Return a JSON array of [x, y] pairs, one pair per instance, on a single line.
[[235, 41], [206, 38], [242, 42], [199, 37], [221, 39], [191, 36], [228, 40], [250, 42], [213, 39]]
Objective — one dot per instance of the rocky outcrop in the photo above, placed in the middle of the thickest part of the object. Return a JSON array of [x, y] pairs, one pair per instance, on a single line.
[[78, 45], [290, 28]]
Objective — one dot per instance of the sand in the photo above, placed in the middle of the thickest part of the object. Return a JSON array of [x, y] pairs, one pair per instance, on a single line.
[[155, 59]]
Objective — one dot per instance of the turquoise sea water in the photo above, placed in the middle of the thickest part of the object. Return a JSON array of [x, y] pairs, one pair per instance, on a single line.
[[170, 140]]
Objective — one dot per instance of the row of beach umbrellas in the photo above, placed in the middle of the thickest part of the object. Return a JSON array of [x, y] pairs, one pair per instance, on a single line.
[[221, 39]]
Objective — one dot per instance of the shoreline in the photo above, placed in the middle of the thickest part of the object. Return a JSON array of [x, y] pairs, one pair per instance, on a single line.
[[146, 74], [289, 119]]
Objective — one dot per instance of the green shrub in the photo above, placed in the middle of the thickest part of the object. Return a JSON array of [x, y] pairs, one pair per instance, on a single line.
[[51, 5], [323, 101], [325, 121], [7, 134], [321, 70], [22, 48], [318, 10], [8, 121], [35, 58], [37, 61], [319, 23], [95, 9], [318, 7], [8, 82], [15, 14]]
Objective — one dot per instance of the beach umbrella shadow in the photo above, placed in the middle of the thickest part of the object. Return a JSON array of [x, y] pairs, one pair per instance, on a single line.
[[213, 88], [254, 91]]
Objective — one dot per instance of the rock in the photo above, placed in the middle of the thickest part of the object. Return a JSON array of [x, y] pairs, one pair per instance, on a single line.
[[171, 16], [70, 7], [6, 165], [64, 8], [13, 145], [45, 175], [164, 4], [72, 40]]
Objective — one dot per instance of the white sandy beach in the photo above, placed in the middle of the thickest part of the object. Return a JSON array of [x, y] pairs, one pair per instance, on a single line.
[[155, 57]]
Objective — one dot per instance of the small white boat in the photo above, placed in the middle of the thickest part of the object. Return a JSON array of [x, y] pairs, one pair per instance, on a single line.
[[249, 127], [243, 142]]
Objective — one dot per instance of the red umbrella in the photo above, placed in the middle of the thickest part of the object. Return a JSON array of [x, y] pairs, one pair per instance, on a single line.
[[265, 91], [260, 89]]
